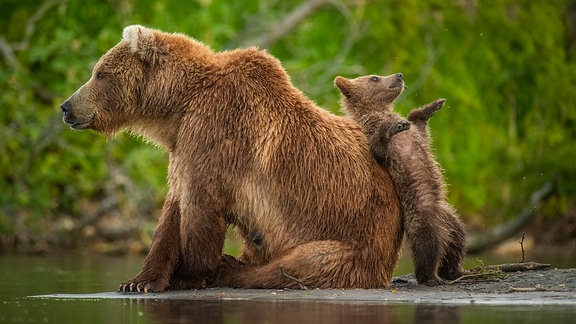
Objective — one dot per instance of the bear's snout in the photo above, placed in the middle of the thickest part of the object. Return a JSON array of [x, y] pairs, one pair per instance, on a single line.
[[76, 119], [66, 106]]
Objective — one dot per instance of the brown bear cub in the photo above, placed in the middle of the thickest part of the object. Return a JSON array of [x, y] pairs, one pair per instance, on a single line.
[[435, 233]]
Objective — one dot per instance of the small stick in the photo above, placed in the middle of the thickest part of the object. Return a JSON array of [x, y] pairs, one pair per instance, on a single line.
[[522, 247], [474, 275], [521, 289], [292, 278]]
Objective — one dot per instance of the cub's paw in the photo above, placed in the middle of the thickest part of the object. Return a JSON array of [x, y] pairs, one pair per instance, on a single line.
[[454, 272], [439, 103], [398, 127], [435, 282]]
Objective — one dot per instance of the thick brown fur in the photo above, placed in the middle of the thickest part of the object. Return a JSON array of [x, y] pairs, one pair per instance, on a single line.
[[246, 148], [435, 232]]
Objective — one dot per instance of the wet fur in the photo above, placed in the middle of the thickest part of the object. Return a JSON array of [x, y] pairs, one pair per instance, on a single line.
[[249, 149]]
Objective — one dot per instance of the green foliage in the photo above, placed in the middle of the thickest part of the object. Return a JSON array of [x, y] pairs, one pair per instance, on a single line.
[[506, 68]]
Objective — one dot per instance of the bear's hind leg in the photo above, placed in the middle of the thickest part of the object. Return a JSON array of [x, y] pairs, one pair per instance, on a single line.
[[319, 264]]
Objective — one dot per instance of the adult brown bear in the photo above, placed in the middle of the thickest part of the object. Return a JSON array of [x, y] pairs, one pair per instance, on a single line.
[[246, 148]]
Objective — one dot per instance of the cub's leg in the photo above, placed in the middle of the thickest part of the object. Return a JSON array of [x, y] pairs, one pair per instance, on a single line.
[[420, 116], [427, 243], [451, 267], [424, 113]]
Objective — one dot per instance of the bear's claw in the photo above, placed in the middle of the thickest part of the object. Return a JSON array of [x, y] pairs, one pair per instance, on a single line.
[[142, 287], [398, 127]]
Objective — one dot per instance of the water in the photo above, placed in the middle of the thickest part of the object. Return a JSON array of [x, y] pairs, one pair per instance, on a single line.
[[24, 276]]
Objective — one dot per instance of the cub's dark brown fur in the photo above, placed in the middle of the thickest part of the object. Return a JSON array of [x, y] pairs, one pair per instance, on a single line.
[[246, 148], [435, 233]]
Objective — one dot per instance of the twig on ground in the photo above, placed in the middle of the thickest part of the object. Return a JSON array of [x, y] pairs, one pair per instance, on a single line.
[[492, 274], [527, 289], [292, 278]]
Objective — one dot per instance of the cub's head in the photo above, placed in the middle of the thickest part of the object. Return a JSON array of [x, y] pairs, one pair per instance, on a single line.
[[369, 93], [134, 80]]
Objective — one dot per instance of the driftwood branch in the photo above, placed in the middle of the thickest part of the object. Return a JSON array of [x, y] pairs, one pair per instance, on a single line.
[[513, 267], [527, 289], [500, 233], [497, 271], [7, 50], [283, 27]]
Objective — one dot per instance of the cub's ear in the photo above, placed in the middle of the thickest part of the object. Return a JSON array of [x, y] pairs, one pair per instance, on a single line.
[[344, 85], [146, 43]]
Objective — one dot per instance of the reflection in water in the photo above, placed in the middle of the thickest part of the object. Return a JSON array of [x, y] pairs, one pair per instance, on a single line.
[[34, 275], [436, 314], [279, 312]]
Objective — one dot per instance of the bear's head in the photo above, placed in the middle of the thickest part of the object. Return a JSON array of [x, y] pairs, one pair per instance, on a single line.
[[369, 93], [135, 81]]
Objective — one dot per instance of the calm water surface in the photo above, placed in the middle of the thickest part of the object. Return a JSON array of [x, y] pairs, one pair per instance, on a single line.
[[24, 276]]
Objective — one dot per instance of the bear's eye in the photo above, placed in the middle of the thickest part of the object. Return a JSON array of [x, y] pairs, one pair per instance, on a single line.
[[374, 79], [99, 76]]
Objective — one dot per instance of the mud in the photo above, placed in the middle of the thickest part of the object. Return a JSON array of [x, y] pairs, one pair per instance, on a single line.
[[535, 287]]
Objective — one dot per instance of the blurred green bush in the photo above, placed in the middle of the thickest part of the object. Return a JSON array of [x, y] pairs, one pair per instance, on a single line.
[[506, 67]]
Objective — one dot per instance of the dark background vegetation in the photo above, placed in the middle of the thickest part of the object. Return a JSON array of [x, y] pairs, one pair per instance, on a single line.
[[506, 67]]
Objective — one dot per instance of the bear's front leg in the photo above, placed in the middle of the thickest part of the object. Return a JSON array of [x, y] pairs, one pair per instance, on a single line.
[[202, 234], [163, 255]]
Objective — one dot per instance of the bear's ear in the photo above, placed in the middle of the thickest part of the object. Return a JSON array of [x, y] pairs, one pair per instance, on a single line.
[[144, 42], [344, 85]]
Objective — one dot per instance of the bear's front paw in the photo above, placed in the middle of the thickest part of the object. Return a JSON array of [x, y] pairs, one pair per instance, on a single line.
[[143, 285]]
